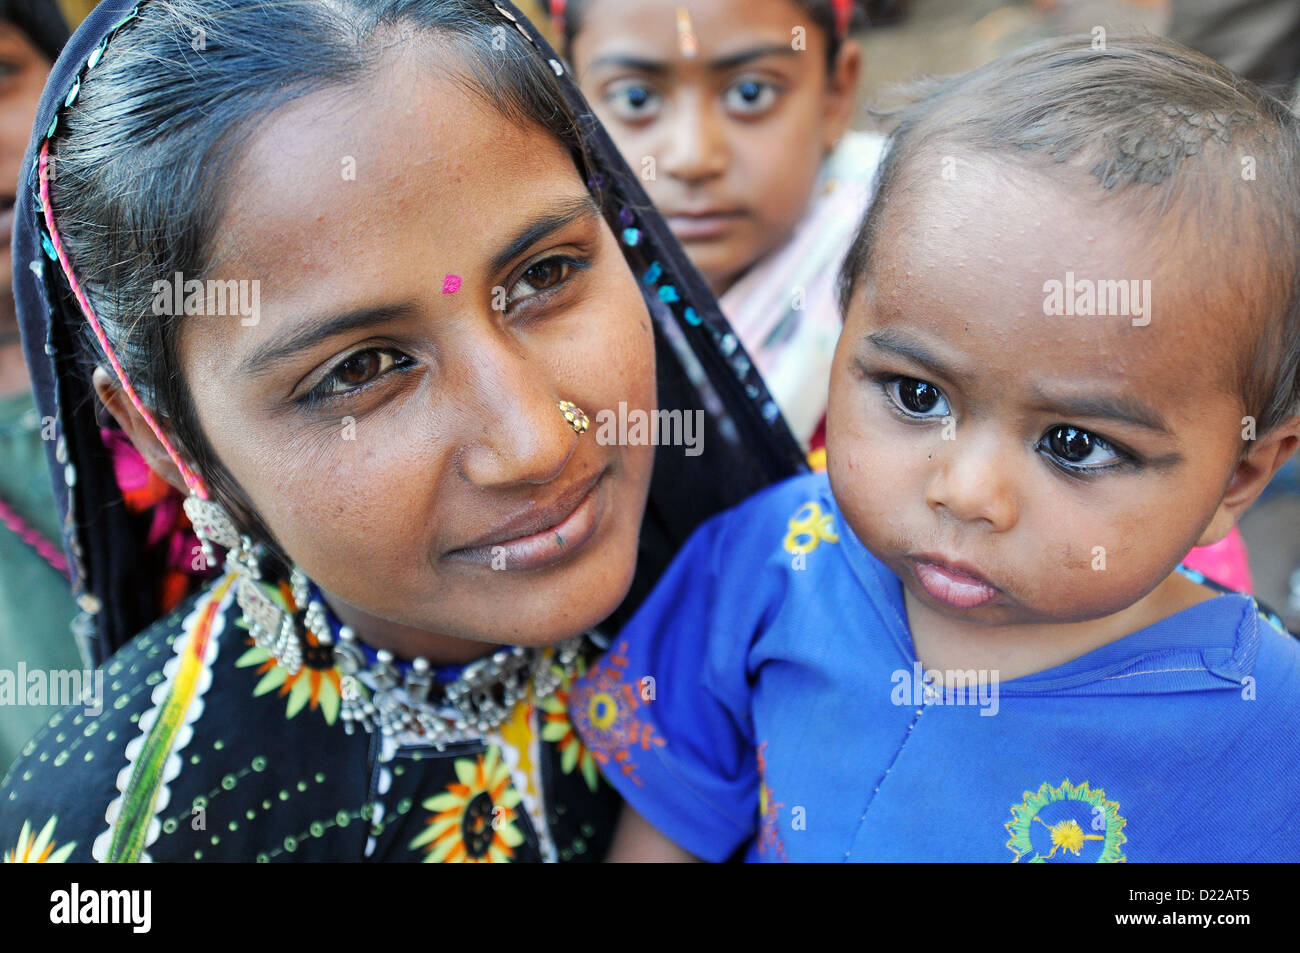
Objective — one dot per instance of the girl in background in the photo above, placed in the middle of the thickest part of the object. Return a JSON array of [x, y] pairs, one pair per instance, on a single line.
[[736, 115]]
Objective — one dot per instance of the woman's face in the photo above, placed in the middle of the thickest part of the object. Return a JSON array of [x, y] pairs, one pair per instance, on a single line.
[[396, 428]]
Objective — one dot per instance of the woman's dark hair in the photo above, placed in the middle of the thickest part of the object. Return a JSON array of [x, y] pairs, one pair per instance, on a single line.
[[144, 155], [41, 21], [821, 12], [1176, 137]]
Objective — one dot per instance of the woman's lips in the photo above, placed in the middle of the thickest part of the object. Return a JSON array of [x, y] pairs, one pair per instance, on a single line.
[[702, 227], [573, 527], [955, 587]]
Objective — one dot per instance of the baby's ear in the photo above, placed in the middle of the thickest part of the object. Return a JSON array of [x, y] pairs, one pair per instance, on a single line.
[[842, 90], [136, 428], [1262, 459]]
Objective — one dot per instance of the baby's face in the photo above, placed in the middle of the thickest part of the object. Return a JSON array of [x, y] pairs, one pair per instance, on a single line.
[[1017, 467]]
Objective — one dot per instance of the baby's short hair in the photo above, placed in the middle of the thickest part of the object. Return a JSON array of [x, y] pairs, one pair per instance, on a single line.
[[1141, 115]]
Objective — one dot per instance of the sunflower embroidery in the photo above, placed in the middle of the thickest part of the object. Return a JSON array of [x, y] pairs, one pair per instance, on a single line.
[[473, 821], [558, 729], [38, 848], [317, 683], [1098, 838]]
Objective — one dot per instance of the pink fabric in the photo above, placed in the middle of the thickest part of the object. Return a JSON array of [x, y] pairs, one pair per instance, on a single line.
[[145, 491], [33, 538], [1225, 562]]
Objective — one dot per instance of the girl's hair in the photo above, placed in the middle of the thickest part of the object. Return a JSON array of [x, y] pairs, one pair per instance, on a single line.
[[1167, 127], [145, 154], [835, 18], [41, 21]]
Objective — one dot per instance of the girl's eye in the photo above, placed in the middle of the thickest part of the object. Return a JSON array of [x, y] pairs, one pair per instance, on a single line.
[[632, 101], [356, 371], [1078, 449], [543, 276], [917, 398], [750, 96]]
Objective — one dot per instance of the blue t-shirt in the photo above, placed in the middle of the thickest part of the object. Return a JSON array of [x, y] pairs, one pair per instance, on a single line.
[[767, 699]]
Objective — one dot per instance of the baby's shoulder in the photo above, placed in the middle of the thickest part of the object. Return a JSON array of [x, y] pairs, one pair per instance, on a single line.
[[784, 517], [1275, 676]]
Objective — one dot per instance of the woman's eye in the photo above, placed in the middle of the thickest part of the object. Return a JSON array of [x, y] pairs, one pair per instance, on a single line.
[[1078, 449], [917, 398], [632, 101], [750, 96], [543, 276], [356, 371]]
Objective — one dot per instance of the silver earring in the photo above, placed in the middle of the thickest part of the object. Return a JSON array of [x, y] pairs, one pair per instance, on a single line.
[[212, 524]]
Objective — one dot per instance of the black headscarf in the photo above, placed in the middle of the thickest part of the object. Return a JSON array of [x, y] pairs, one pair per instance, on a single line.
[[747, 444]]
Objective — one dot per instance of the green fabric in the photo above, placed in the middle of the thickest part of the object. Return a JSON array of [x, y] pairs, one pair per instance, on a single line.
[[36, 608]]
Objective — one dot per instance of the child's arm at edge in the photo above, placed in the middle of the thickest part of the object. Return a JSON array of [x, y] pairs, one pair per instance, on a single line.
[[636, 841]]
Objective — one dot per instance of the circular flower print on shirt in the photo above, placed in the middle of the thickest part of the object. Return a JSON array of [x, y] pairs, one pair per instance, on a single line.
[[1067, 822]]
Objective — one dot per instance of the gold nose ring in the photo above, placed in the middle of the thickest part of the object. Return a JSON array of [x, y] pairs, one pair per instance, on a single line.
[[575, 416]]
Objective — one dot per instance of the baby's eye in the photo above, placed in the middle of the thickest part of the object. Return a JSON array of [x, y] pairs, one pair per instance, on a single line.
[[544, 275], [357, 370], [632, 100], [917, 398], [1078, 449], [750, 96]]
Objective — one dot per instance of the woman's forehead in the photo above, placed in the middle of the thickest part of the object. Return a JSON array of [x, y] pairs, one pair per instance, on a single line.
[[357, 179]]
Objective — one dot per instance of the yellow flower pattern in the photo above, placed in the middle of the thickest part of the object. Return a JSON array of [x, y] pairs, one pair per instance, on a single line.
[[38, 848], [808, 528], [473, 821]]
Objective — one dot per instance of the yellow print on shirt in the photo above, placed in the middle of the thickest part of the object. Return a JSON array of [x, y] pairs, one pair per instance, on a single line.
[[808, 528]]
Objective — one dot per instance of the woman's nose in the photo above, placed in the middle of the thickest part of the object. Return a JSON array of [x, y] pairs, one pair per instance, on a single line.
[[516, 432], [973, 481], [695, 145]]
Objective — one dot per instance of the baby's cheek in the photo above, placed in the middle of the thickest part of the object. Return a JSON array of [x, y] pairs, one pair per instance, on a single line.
[[869, 491], [1074, 565]]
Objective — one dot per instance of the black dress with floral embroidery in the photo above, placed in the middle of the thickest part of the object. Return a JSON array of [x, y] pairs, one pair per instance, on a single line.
[[206, 749]]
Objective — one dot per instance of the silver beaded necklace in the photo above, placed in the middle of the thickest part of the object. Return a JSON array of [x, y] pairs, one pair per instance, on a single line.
[[409, 706]]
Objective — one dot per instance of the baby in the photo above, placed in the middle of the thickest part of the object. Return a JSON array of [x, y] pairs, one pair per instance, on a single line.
[[1072, 330]]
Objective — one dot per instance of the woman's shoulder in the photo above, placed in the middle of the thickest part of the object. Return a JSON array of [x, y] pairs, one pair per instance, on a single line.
[[56, 792], [174, 717]]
